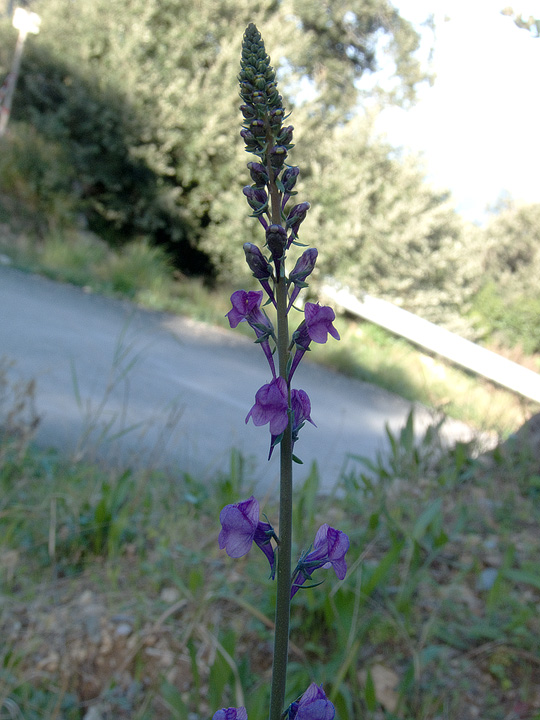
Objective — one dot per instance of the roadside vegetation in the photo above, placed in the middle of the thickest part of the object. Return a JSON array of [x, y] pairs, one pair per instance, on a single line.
[[145, 275], [114, 602]]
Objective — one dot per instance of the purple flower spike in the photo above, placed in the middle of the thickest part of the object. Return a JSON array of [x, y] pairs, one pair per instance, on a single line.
[[271, 406], [240, 528], [231, 714], [329, 550], [313, 705]]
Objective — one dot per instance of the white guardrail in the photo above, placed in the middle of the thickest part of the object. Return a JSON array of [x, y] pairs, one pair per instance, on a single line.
[[463, 352]]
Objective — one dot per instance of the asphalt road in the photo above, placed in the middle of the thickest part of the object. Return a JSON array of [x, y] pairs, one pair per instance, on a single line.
[[141, 386]]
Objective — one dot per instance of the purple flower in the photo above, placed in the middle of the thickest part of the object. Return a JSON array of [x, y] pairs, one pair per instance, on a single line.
[[316, 326], [231, 714], [301, 409], [319, 320], [285, 136], [271, 406], [313, 705], [329, 550], [240, 528], [246, 307]]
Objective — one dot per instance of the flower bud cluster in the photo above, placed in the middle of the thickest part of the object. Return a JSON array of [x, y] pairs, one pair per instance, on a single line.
[[262, 109]]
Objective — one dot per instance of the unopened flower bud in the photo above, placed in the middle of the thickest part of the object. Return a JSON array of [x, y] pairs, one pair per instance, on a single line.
[[256, 197], [258, 173], [276, 239], [289, 177], [248, 136], [278, 155], [259, 98], [297, 216], [258, 264], [257, 128], [286, 135], [247, 111], [276, 118], [304, 266]]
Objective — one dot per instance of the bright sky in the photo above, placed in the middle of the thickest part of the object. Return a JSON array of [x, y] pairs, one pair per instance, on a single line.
[[479, 125]]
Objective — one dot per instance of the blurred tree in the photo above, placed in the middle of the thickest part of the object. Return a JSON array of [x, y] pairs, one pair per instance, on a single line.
[[508, 303], [386, 231], [143, 93]]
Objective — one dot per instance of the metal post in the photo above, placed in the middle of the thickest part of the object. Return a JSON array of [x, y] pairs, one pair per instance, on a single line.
[[25, 22], [5, 108]]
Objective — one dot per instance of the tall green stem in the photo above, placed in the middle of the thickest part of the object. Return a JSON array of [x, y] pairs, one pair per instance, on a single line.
[[283, 602]]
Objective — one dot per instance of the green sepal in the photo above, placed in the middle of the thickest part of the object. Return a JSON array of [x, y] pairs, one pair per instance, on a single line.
[[308, 587], [289, 364]]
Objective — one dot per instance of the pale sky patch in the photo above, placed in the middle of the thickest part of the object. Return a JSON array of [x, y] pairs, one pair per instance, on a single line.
[[478, 126]]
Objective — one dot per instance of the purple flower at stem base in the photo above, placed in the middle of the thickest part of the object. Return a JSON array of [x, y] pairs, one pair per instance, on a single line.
[[241, 527], [313, 705], [329, 550]]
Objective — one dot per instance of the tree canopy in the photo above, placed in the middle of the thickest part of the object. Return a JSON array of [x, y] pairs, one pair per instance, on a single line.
[[144, 93], [143, 97]]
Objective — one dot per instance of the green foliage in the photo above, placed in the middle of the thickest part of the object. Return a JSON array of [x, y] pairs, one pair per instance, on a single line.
[[424, 524], [385, 231], [507, 306], [36, 179], [143, 113], [143, 101]]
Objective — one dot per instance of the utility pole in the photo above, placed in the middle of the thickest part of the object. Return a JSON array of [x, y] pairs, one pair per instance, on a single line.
[[25, 22]]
